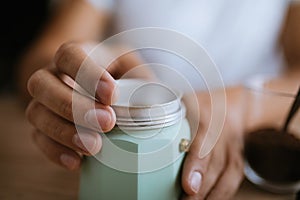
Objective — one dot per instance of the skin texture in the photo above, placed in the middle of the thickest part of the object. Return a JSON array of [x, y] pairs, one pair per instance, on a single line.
[[49, 68], [72, 20], [224, 164]]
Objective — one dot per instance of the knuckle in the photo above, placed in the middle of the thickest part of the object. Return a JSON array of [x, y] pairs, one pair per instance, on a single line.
[[62, 133], [65, 54], [30, 111], [200, 164], [66, 109], [35, 82], [58, 133], [194, 149], [194, 153]]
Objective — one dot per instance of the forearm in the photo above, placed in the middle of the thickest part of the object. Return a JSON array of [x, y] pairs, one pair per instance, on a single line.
[[74, 20], [199, 105], [290, 40], [289, 80]]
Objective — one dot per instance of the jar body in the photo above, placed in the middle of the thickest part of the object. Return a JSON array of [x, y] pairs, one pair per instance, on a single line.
[[156, 176]]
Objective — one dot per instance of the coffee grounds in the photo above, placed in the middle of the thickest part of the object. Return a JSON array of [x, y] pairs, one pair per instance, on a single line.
[[273, 155]]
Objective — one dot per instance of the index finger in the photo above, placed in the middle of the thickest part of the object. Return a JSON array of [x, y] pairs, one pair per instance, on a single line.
[[72, 60]]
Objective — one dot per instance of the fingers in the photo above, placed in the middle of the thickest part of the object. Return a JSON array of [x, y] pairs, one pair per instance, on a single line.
[[231, 178], [56, 152], [192, 176], [62, 131], [72, 60], [215, 169], [194, 168], [209, 168], [221, 174], [50, 91]]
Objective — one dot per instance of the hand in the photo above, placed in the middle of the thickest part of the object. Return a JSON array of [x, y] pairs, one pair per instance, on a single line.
[[50, 111], [219, 174]]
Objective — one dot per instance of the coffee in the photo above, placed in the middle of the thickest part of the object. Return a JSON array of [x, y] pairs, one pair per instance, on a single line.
[[274, 155]]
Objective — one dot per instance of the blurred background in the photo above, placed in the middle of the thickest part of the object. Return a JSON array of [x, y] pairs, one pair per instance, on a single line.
[[20, 21], [22, 164]]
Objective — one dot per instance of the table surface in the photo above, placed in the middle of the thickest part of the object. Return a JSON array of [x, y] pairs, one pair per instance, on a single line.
[[26, 174]]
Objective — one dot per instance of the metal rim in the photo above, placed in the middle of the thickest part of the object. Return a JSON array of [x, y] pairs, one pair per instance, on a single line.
[[253, 177], [136, 117]]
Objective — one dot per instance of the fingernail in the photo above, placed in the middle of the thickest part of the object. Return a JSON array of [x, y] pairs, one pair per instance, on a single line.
[[69, 161], [195, 181], [86, 142], [99, 118]]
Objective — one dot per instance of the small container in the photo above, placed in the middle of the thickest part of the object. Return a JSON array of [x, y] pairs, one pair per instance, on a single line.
[[141, 157], [271, 154]]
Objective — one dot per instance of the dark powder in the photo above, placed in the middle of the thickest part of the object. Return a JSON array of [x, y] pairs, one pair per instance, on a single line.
[[273, 155]]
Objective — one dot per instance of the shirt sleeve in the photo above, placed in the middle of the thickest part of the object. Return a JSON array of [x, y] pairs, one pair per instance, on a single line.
[[106, 5]]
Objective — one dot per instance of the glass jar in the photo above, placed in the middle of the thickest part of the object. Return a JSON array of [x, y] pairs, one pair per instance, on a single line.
[[271, 154]]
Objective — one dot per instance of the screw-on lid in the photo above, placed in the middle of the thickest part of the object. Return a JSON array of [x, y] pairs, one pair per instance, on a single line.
[[147, 104]]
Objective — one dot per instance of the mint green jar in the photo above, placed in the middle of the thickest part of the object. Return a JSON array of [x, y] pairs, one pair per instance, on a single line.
[[141, 158]]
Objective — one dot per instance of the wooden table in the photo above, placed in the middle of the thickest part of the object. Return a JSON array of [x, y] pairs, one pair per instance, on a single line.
[[26, 174]]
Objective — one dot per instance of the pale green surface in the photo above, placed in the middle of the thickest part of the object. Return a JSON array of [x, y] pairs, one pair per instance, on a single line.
[[99, 181]]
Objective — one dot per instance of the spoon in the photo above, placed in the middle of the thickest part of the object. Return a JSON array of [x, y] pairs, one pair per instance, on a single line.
[[293, 110]]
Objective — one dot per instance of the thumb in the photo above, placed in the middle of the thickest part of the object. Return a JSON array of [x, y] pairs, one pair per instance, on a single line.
[[194, 168]]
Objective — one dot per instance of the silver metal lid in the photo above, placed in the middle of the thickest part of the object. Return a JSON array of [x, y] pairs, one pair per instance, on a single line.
[[146, 104]]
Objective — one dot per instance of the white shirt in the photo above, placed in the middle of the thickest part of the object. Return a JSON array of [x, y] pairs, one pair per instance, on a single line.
[[241, 36]]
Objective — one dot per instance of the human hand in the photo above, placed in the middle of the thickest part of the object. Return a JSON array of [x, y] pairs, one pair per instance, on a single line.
[[50, 111], [219, 174]]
